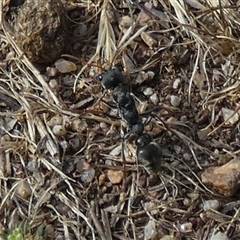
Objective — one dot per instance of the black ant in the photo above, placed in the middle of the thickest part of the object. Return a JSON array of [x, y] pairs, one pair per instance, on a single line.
[[148, 152]]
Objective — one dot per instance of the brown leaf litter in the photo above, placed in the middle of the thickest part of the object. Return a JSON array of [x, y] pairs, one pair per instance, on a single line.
[[61, 169]]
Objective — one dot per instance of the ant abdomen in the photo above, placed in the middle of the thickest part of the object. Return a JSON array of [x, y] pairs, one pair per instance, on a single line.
[[149, 153]]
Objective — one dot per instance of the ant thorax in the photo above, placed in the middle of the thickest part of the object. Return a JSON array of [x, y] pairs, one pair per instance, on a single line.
[[127, 109]]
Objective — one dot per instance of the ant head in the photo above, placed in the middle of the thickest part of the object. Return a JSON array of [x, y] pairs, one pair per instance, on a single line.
[[143, 140], [111, 78]]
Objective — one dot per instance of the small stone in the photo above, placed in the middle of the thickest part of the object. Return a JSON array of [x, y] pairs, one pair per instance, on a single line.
[[150, 74], [151, 207], [78, 125], [154, 99], [177, 149], [148, 91], [175, 101], [88, 176], [168, 237], [185, 227], [103, 126], [229, 116], [115, 177], [203, 133], [125, 22], [75, 143], [141, 77], [101, 179], [187, 202], [65, 66], [193, 196], [53, 84], [24, 190], [143, 17], [184, 119], [176, 83], [199, 80], [150, 230], [55, 120], [52, 71], [32, 166], [219, 236], [82, 166], [186, 157], [211, 204], [224, 179], [59, 130]]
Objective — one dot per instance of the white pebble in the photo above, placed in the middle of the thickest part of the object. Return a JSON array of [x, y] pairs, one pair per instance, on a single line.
[[219, 236], [177, 149], [154, 99], [175, 101], [183, 119], [103, 126], [59, 130], [186, 202], [176, 83], [185, 227], [87, 176], [148, 91], [150, 230], [150, 74], [186, 156], [229, 116], [211, 204], [53, 84]]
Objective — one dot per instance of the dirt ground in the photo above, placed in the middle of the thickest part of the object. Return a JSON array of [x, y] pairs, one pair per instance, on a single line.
[[63, 172]]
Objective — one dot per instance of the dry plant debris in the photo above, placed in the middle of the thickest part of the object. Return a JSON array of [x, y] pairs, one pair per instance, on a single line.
[[39, 28], [61, 171]]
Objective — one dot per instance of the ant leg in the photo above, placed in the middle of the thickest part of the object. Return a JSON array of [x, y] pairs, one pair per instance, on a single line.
[[153, 115], [150, 111], [100, 99], [123, 156], [147, 121], [111, 116], [123, 140], [110, 105]]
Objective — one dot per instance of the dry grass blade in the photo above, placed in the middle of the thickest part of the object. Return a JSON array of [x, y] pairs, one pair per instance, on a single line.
[[75, 209], [127, 39], [97, 223], [106, 42], [194, 72], [50, 166], [107, 228], [61, 169], [107, 49]]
